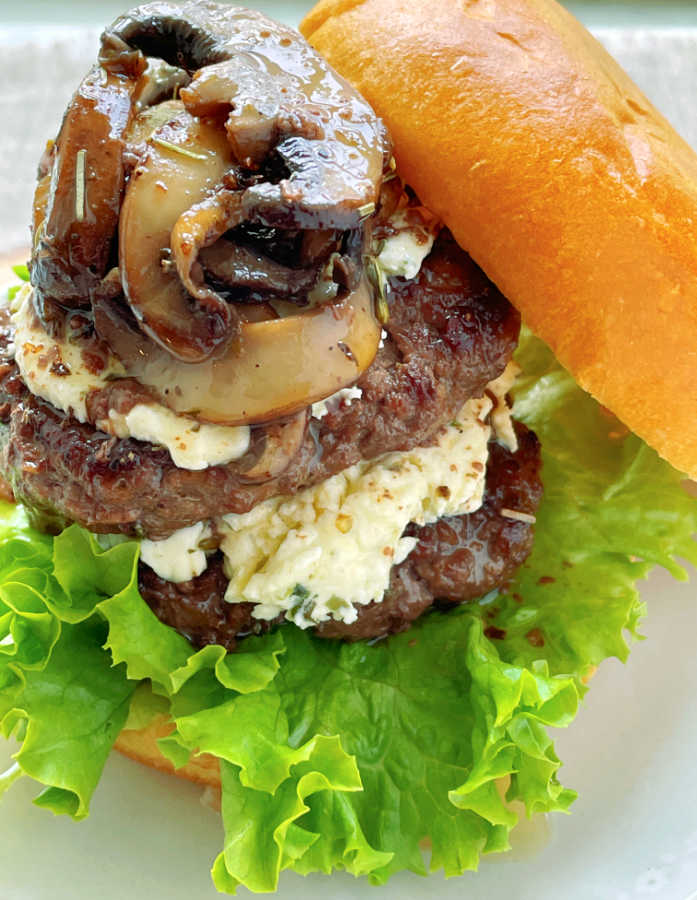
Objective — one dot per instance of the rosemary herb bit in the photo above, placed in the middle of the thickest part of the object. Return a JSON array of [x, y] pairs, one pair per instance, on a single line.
[[376, 276], [373, 272], [518, 516], [366, 210], [175, 148], [80, 163], [382, 310]]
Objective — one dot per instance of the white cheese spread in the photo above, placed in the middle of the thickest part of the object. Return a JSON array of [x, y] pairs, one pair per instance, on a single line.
[[179, 557], [403, 253], [191, 444], [500, 416], [322, 407], [329, 549], [34, 347]]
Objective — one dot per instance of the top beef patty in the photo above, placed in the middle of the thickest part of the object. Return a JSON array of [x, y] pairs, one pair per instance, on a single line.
[[450, 332]]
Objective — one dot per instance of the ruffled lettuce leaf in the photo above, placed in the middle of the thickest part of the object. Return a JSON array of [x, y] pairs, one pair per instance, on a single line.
[[337, 756], [22, 272], [612, 511]]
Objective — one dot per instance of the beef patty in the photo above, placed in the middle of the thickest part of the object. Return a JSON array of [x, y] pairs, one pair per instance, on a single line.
[[450, 332], [456, 559]]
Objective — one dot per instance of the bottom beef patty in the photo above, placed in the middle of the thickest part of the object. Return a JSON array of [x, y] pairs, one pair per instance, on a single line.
[[456, 559]]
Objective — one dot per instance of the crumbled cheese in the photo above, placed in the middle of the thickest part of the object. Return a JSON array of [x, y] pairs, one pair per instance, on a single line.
[[500, 417], [403, 253], [192, 445], [322, 407], [329, 549], [179, 557], [33, 345]]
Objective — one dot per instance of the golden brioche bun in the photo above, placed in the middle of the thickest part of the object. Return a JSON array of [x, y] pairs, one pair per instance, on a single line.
[[141, 745], [552, 169]]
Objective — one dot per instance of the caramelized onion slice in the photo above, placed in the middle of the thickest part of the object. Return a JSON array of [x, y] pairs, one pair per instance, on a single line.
[[186, 159], [277, 368]]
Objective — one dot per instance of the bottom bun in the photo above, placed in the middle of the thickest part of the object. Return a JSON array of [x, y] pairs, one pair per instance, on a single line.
[[142, 746]]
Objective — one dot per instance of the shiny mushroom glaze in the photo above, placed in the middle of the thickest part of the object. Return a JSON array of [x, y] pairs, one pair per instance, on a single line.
[[276, 93], [256, 183], [77, 203], [284, 364]]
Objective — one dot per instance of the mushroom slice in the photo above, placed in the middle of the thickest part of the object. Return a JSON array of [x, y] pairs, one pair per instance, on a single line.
[[249, 95], [320, 192], [278, 92], [186, 160], [315, 130], [197, 228], [281, 443], [276, 367], [147, 122], [72, 246], [159, 83], [244, 268]]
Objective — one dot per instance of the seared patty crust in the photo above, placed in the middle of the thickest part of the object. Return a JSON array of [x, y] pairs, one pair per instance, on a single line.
[[449, 333], [456, 559]]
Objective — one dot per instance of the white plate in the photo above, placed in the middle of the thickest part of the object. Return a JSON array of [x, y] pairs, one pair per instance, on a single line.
[[630, 754]]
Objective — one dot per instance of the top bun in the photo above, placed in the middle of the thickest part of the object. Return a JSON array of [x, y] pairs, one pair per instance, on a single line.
[[551, 168]]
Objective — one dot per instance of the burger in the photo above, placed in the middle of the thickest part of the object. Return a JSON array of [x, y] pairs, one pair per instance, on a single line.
[[274, 518]]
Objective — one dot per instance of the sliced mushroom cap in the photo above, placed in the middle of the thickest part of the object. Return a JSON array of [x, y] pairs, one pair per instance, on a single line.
[[277, 368], [198, 228], [188, 36], [74, 241], [252, 127], [147, 122], [281, 442], [277, 92], [158, 83], [243, 268], [308, 198], [187, 158]]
